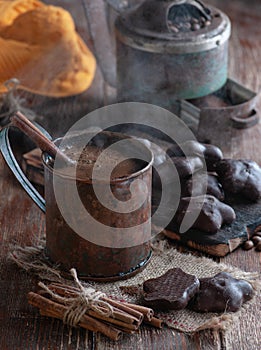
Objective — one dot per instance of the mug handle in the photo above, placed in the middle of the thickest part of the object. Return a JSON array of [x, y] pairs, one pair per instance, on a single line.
[[11, 161]]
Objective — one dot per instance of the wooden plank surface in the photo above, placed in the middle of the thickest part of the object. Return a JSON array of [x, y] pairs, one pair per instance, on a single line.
[[20, 325]]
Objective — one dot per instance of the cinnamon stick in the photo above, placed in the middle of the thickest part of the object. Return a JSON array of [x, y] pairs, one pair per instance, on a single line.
[[125, 317], [125, 307], [147, 312], [20, 121], [111, 320], [53, 309], [138, 311], [55, 315], [155, 322], [117, 313]]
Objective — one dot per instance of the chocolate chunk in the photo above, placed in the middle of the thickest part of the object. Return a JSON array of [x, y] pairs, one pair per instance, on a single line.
[[212, 154], [240, 177], [213, 187], [212, 213], [221, 293], [171, 291]]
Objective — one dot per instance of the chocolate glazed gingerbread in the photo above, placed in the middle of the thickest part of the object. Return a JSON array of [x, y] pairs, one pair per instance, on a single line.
[[213, 213], [240, 177], [211, 154], [213, 187], [221, 293]]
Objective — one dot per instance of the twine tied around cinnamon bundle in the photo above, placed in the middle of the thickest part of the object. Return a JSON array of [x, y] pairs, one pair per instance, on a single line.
[[83, 299]]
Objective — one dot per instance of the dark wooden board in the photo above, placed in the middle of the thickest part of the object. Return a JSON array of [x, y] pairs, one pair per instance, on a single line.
[[229, 237]]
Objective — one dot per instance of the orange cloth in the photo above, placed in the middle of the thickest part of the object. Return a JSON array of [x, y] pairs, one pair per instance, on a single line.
[[40, 48], [10, 9]]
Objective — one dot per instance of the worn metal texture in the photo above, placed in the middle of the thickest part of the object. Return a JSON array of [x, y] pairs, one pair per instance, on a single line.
[[216, 113], [97, 256], [159, 66], [161, 79], [233, 106]]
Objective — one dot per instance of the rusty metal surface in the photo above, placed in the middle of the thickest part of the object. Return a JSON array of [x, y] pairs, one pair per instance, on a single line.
[[234, 106], [242, 111], [158, 66], [95, 261], [160, 78], [149, 28]]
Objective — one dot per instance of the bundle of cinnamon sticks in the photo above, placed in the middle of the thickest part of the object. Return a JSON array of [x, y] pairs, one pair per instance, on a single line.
[[125, 317]]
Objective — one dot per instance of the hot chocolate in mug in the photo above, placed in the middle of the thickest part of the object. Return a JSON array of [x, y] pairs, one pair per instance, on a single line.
[[98, 208]]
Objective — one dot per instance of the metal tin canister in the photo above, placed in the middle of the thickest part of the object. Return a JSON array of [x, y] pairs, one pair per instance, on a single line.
[[94, 261], [157, 65]]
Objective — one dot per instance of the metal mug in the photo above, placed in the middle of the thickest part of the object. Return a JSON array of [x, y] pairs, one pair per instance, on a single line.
[[65, 246]]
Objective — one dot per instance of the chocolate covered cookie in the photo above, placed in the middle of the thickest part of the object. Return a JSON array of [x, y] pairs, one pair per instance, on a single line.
[[212, 213], [240, 177], [212, 186], [215, 188], [212, 154], [185, 167], [171, 291], [221, 293]]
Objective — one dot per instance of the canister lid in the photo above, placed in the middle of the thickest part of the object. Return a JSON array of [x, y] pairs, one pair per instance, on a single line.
[[177, 26]]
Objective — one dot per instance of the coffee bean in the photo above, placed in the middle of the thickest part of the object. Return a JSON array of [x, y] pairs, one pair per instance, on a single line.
[[174, 28], [195, 26], [194, 20], [258, 247], [256, 239], [248, 245], [187, 25]]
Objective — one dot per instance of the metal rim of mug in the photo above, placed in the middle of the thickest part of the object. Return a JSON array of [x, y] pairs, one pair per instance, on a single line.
[[137, 173]]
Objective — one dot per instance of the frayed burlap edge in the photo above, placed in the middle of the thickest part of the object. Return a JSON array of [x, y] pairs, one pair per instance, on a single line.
[[33, 260]]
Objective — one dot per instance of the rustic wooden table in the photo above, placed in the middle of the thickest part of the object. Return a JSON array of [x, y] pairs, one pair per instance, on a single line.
[[21, 327]]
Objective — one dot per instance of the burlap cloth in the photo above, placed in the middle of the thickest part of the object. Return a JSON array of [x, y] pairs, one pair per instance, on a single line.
[[164, 257]]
